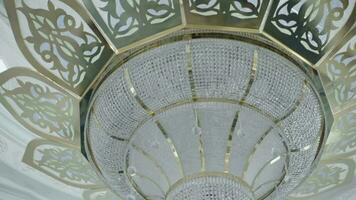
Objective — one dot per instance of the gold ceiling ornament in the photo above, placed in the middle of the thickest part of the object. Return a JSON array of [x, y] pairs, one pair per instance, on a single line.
[[42, 107], [340, 74], [62, 162], [329, 174], [72, 45], [57, 38], [310, 27], [342, 142]]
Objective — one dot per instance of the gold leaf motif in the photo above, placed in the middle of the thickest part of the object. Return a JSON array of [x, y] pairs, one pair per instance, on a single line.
[[245, 9], [310, 27], [126, 22], [61, 162], [343, 135], [329, 175], [39, 105], [58, 42], [340, 76]]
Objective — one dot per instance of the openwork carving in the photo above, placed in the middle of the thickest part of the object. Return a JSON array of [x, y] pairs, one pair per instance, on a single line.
[[341, 74], [344, 135], [40, 106], [311, 25], [62, 163], [128, 21], [328, 175], [55, 38], [240, 9]]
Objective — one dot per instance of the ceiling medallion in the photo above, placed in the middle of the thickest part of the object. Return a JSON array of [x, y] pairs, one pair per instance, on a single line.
[[206, 116]]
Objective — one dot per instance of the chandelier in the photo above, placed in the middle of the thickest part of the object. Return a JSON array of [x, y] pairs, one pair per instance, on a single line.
[[184, 100], [205, 117]]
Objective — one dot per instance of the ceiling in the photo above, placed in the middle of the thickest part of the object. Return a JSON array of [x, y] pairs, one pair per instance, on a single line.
[[35, 164]]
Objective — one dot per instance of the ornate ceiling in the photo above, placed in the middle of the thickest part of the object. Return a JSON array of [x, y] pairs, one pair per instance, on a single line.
[[52, 51]]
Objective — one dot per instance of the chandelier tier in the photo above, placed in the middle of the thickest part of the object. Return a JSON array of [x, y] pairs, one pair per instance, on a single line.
[[205, 118]]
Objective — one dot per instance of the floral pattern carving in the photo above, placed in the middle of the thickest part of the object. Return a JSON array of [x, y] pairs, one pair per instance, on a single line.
[[235, 8], [343, 135], [341, 72], [68, 163], [38, 105], [328, 175], [56, 41], [310, 24], [131, 20], [63, 163], [135, 15]]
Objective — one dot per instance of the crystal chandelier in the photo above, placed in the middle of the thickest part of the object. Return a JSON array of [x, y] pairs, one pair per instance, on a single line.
[[205, 117], [183, 99]]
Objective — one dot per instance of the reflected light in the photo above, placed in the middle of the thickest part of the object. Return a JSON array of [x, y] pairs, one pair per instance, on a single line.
[[2, 66]]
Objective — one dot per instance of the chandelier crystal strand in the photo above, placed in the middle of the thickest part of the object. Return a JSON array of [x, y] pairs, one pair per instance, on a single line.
[[205, 119]]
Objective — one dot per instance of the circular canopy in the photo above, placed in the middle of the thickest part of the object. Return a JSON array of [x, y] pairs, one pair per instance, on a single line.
[[203, 106]]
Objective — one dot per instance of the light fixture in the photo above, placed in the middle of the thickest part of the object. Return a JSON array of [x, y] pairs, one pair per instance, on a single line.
[[205, 116], [181, 99]]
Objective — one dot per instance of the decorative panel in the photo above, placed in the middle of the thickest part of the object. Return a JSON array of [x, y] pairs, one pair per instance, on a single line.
[[342, 140], [339, 75], [39, 105], [329, 175], [62, 163], [58, 39], [310, 27], [125, 22], [246, 14]]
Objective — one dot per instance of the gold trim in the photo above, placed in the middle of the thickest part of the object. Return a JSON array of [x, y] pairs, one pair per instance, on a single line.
[[280, 44], [268, 182], [268, 163], [189, 65], [311, 73], [229, 143], [99, 124], [265, 17], [297, 103], [90, 77], [134, 93], [203, 100], [210, 174], [141, 176], [147, 155], [247, 163], [252, 76], [29, 159], [136, 187], [182, 12], [149, 39], [172, 147], [201, 144]]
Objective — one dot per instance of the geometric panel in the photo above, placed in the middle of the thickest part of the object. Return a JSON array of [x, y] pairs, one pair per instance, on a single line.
[[58, 39], [61, 162], [246, 14], [39, 105], [309, 27], [125, 22]]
